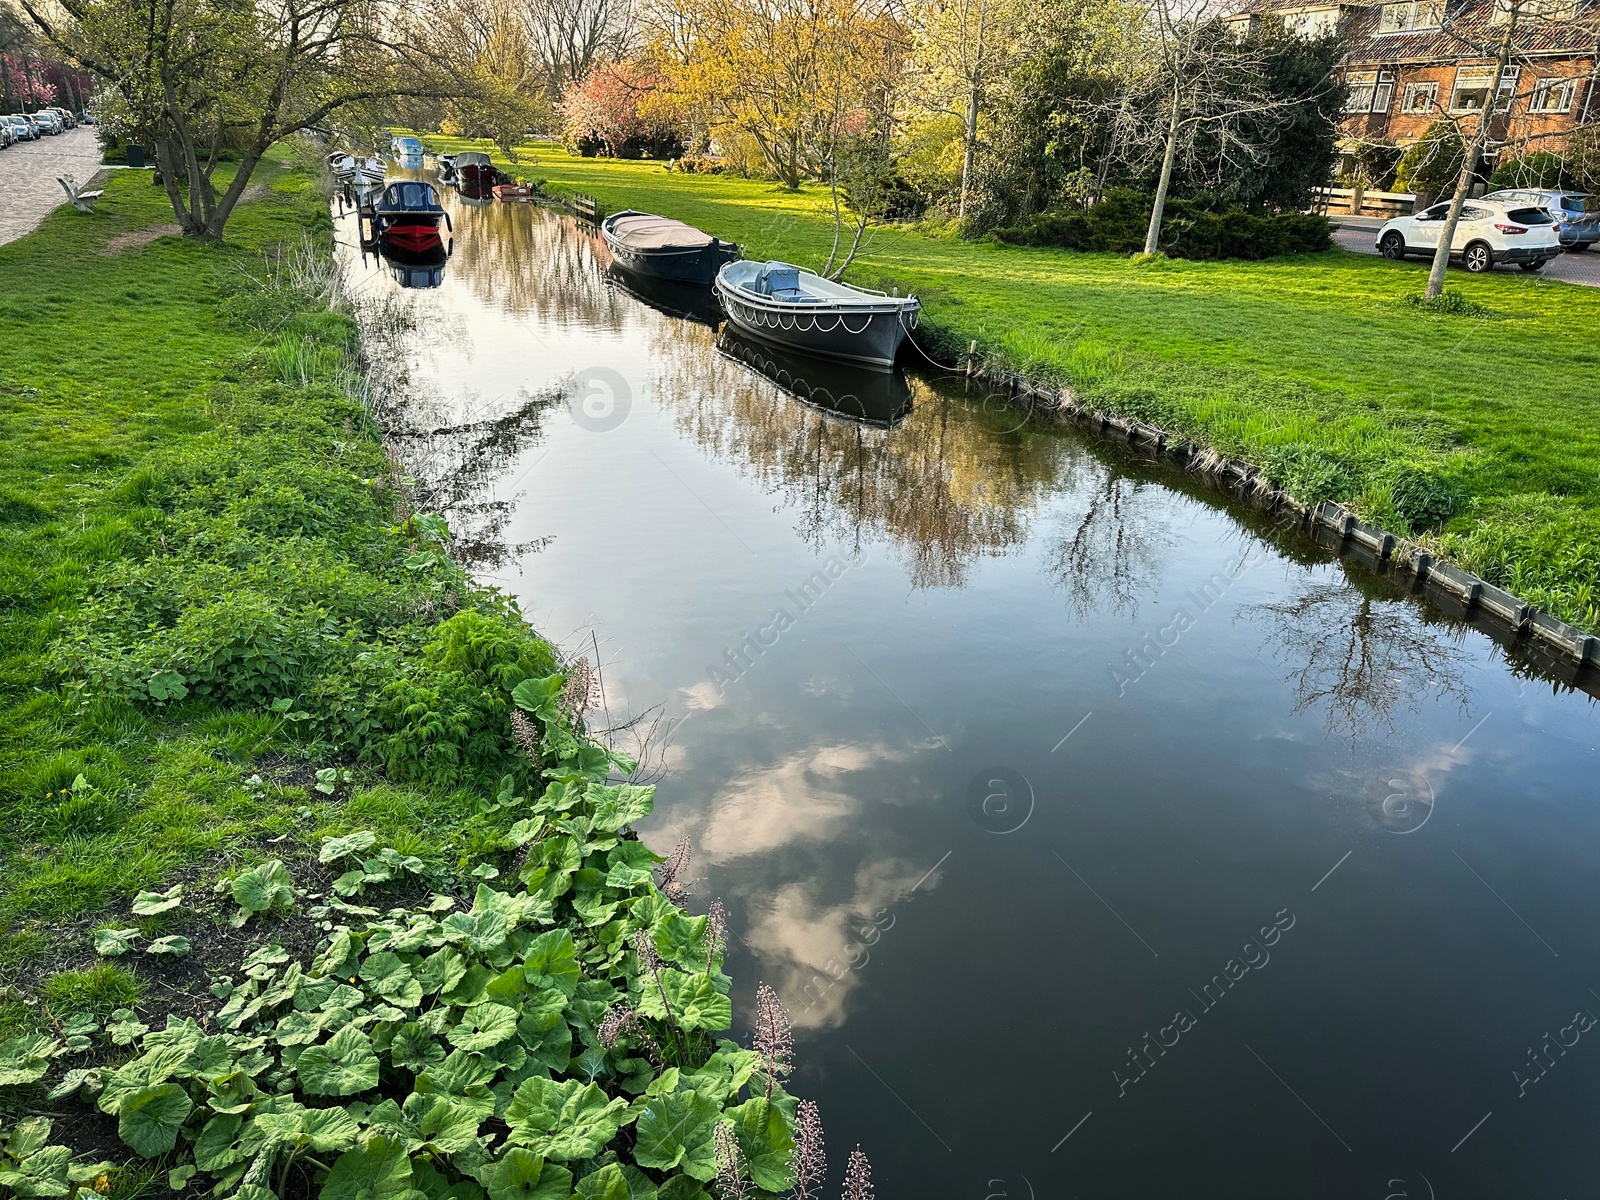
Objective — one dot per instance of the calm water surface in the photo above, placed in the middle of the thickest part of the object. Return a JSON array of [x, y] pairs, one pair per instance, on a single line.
[[1101, 841]]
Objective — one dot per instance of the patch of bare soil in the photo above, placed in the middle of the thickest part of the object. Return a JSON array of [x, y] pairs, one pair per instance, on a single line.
[[135, 238]]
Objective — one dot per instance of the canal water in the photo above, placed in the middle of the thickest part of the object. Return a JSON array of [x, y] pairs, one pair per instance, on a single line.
[[1102, 839]]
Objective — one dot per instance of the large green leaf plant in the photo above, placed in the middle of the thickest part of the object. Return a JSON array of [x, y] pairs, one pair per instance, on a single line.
[[559, 1038]]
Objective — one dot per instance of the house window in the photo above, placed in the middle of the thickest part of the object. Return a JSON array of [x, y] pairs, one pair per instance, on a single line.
[[1383, 94], [1311, 24], [1420, 98], [1410, 15], [1362, 85], [1370, 91], [1507, 91], [1471, 92], [1553, 96]]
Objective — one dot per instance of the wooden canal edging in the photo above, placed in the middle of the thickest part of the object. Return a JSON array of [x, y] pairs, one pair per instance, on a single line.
[[1460, 593]]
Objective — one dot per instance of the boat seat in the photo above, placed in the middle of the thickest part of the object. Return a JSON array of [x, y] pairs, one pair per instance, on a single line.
[[788, 295]]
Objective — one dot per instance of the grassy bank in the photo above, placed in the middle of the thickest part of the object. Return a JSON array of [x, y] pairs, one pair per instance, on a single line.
[[209, 590], [311, 880], [1482, 431]]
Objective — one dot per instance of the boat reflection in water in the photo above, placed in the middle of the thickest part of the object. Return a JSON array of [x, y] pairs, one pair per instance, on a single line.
[[879, 398], [474, 194], [416, 269], [686, 301]]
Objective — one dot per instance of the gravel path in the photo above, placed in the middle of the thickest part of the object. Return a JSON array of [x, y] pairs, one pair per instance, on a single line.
[[28, 173], [1361, 235]]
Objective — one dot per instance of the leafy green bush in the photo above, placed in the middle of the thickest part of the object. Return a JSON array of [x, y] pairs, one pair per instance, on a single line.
[[559, 1036], [1538, 169], [1311, 473], [1432, 164], [1190, 229], [266, 574], [1425, 499]]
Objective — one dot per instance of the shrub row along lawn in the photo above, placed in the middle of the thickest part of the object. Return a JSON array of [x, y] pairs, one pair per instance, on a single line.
[[1480, 431], [311, 882]]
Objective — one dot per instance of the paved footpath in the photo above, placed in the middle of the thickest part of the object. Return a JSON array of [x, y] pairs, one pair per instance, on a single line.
[[28, 173], [1361, 235]]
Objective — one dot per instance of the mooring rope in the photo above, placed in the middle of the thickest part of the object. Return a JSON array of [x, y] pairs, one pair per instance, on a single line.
[[921, 351]]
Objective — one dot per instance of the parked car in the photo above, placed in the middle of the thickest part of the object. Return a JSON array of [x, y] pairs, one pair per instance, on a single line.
[[49, 122], [22, 127], [68, 121], [1578, 213], [8, 135], [1489, 232]]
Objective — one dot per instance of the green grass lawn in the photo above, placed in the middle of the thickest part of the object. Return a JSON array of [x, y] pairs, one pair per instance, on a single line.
[[1482, 433], [205, 592]]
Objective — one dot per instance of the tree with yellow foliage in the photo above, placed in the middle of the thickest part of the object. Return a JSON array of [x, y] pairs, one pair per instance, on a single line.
[[794, 77]]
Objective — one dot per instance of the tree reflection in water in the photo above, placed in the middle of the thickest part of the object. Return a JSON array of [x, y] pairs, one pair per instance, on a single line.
[[455, 467], [943, 486], [524, 260], [1361, 655], [1114, 553]]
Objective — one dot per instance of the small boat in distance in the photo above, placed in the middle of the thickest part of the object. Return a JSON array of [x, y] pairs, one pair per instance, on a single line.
[[793, 307], [446, 164], [407, 218], [475, 170], [663, 248], [513, 193]]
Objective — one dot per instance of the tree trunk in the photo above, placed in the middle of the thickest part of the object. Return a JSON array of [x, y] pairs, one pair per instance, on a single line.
[[167, 163], [1469, 167], [223, 208], [969, 152], [974, 100], [1152, 237]]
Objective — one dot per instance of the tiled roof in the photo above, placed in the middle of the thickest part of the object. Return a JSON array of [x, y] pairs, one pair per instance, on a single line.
[[1471, 32]]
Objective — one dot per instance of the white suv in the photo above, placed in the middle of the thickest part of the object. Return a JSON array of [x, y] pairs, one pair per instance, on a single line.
[[1489, 232]]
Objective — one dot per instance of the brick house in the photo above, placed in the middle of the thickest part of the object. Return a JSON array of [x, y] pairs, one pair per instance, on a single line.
[[1411, 61]]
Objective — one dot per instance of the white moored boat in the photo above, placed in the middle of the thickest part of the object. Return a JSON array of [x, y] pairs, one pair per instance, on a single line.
[[797, 308]]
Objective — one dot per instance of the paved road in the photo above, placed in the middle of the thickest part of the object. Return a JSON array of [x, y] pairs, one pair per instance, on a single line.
[[28, 173], [1361, 234]]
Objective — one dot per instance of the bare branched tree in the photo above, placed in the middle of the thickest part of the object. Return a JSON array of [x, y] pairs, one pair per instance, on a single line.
[[1194, 92], [1359, 657], [569, 37], [960, 46]]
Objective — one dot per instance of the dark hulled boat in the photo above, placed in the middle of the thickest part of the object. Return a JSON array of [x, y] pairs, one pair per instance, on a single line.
[[408, 218], [663, 248], [474, 171], [420, 269], [783, 303]]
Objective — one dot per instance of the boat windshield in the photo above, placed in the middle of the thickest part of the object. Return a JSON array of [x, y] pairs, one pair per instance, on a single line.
[[409, 195]]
